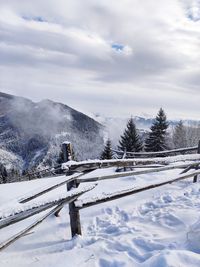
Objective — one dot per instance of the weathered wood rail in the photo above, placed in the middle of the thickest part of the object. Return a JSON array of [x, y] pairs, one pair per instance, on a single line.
[[132, 173], [159, 153], [129, 192], [97, 164], [30, 227], [30, 211], [40, 192]]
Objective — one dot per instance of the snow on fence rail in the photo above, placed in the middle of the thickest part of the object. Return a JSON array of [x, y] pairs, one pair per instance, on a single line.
[[80, 204], [53, 171], [163, 153], [83, 166], [131, 173], [30, 227], [26, 212], [43, 191]]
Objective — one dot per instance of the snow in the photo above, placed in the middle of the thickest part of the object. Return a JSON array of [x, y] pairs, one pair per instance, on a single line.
[[9, 159], [155, 228], [62, 134], [66, 143], [164, 160], [14, 207]]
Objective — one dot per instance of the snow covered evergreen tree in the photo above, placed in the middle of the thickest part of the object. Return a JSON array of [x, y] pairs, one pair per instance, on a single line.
[[179, 136], [193, 135], [156, 140], [130, 140], [3, 174], [107, 152]]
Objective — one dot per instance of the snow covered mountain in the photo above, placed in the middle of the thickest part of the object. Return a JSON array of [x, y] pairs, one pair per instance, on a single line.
[[31, 133]]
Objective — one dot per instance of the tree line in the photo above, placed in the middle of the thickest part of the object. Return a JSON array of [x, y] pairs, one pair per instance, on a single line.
[[157, 139]]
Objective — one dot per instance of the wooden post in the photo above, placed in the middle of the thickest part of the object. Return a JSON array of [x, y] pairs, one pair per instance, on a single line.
[[67, 151], [198, 150], [67, 155], [74, 214], [197, 166]]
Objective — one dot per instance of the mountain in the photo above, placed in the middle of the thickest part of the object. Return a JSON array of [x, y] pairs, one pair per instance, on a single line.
[[31, 133]]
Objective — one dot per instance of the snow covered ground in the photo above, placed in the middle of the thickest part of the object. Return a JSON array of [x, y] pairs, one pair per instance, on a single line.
[[155, 228], [9, 159]]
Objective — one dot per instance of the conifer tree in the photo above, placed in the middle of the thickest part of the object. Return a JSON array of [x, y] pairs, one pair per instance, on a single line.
[[179, 136], [3, 174], [130, 140], [156, 140], [107, 152]]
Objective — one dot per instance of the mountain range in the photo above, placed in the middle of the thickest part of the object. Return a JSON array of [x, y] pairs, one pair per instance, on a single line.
[[31, 133], [115, 125]]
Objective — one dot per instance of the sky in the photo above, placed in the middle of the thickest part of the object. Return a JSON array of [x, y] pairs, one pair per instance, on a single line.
[[115, 58]]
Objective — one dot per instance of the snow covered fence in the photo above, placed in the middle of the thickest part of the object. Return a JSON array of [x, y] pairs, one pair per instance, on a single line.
[[30, 227], [43, 191], [73, 182], [89, 165], [13, 216], [131, 173], [159, 153], [80, 204]]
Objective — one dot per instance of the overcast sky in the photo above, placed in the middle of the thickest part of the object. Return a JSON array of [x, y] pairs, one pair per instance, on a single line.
[[112, 57]]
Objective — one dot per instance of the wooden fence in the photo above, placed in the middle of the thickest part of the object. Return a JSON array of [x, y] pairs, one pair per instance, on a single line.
[[159, 153], [74, 180]]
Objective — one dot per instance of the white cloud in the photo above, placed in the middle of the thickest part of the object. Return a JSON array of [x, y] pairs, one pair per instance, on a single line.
[[64, 50]]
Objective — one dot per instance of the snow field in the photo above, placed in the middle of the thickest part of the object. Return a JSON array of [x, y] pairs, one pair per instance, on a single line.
[[155, 228]]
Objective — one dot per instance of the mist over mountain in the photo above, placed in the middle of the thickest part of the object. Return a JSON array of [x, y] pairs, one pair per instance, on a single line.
[[115, 125], [31, 133]]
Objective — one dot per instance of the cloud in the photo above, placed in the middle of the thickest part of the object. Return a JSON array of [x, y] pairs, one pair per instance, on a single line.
[[94, 54]]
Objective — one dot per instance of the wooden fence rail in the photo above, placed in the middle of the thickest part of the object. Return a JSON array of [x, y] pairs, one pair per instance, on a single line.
[[125, 193], [21, 215], [40, 192], [30, 227], [163, 153], [132, 173], [97, 164]]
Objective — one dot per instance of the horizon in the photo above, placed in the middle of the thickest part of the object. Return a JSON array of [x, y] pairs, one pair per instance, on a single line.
[[96, 114]]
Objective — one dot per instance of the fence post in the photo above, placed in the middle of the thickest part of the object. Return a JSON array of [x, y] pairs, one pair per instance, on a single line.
[[67, 151], [74, 214], [67, 155], [196, 176], [198, 150]]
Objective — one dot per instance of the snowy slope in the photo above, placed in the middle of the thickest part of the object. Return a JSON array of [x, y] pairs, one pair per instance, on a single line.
[[155, 228], [34, 132], [9, 159]]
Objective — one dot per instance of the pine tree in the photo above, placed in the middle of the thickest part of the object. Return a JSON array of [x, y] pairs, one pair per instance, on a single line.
[[3, 174], [107, 152], [179, 136], [156, 140], [130, 140]]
